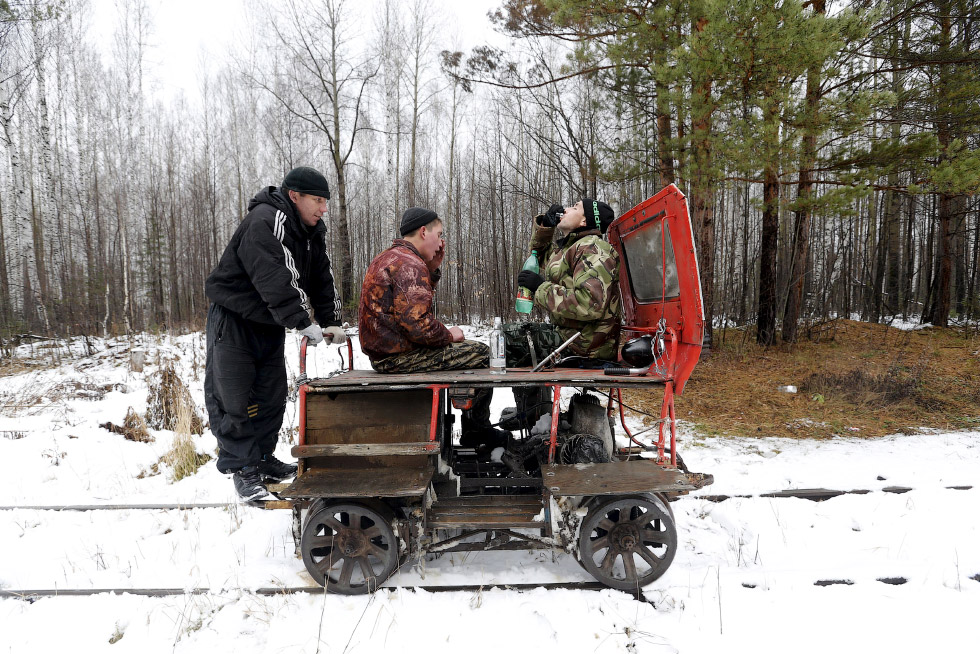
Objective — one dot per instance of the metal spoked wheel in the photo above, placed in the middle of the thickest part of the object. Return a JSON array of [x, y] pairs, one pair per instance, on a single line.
[[628, 542], [349, 547]]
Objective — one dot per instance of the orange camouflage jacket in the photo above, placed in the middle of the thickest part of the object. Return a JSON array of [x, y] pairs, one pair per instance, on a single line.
[[395, 314]]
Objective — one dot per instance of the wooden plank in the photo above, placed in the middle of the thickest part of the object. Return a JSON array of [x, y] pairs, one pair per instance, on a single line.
[[360, 417], [364, 449], [395, 432], [481, 522], [487, 512], [524, 501], [369, 380], [365, 482], [483, 511], [499, 482], [615, 478], [379, 463]]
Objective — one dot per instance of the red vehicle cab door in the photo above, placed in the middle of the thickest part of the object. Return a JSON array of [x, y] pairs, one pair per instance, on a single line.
[[659, 278]]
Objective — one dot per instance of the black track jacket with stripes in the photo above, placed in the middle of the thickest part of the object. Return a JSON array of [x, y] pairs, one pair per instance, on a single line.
[[275, 269]]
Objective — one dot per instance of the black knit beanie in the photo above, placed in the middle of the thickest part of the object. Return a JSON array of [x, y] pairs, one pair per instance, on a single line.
[[306, 180], [416, 217], [598, 215]]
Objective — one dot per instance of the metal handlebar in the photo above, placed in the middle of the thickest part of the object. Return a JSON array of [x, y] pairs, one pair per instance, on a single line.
[[304, 342]]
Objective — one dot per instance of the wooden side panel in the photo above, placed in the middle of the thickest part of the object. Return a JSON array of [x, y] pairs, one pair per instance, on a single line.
[[370, 482], [615, 478], [366, 418]]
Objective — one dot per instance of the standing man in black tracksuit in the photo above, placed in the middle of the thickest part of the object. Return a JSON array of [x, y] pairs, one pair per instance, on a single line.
[[274, 275]]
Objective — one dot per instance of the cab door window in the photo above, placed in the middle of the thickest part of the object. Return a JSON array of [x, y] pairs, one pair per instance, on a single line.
[[643, 248]]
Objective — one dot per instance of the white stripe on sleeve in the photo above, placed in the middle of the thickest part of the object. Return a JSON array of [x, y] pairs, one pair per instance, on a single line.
[[280, 230]]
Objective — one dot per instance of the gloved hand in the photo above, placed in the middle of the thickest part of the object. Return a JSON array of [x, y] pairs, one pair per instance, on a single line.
[[551, 216], [313, 332], [529, 280], [334, 335]]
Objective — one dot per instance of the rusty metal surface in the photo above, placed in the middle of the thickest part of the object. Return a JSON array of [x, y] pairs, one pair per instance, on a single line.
[[370, 380], [369, 482], [619, 477]]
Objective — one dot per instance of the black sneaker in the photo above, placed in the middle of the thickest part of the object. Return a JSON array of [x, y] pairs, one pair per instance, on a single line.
[[484, 436], [272, 468], [248, 483]]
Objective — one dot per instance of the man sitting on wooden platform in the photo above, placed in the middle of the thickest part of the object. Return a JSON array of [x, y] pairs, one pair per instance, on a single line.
[[398, 329]]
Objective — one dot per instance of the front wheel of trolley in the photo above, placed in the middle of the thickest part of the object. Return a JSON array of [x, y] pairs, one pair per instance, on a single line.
[[628, 542], [349, 547]]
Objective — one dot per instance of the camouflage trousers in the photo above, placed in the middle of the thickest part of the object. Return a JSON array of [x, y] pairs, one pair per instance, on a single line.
[[455, 356]]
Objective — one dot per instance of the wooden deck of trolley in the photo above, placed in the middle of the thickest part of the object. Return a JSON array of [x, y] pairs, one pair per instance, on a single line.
[[480, 378]]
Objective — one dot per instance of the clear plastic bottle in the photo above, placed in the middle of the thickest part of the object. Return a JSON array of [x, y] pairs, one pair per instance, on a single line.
[[524, 302], [498, 348]]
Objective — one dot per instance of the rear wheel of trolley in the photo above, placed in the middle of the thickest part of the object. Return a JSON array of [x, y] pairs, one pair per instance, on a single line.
[[627, 542], [349, 547]]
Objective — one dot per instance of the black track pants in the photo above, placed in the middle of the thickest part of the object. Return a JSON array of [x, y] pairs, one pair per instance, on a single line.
[[244, 387]]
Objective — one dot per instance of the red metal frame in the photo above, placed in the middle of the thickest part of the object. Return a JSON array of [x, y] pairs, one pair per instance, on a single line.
[[304, 387], [684, 314], [555, 413], [436, 388], [301, 391], [682, 328], [667, 417]]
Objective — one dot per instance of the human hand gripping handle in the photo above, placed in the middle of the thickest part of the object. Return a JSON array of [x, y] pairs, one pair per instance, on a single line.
[[313, 332], [334, 335]]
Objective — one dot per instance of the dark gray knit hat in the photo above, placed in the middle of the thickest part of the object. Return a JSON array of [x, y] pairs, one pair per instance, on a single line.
[[416, 217], [306, 180]]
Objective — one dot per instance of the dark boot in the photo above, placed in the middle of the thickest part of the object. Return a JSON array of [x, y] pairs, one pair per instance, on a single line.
[[272, 468], [248, 484], [483, 435], [532, 403], [476, 426]]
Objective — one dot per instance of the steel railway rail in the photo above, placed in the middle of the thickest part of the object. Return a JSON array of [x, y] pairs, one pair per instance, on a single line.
[[31, 594], [814, 494]]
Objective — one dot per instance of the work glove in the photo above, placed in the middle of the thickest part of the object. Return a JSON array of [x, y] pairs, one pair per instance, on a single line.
[[551, 217], [312, 332], [529, 280], [334, 335]]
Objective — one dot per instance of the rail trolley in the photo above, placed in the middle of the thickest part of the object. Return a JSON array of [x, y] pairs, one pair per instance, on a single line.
[[381, 481]]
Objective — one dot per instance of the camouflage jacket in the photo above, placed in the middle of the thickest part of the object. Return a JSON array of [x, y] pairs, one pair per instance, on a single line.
[[581, 289], [395, 314]]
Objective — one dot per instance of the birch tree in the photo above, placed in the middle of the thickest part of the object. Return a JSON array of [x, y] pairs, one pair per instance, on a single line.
[[325, 91]]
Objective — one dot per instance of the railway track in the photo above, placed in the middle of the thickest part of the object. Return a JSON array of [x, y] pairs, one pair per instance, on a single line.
[[814, 494], [31, 594]]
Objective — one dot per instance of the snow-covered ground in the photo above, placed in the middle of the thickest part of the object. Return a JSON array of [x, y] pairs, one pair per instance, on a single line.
[[743, 579]]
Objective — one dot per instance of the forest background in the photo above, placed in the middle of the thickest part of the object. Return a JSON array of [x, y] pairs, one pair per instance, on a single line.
[[830, 152]]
